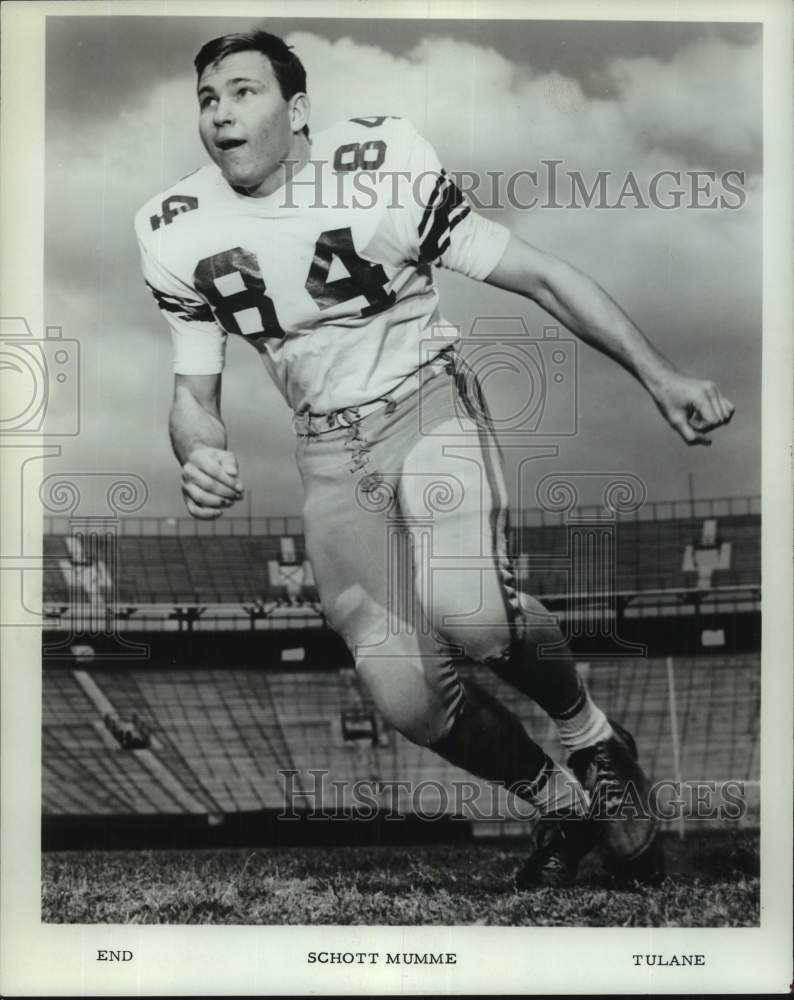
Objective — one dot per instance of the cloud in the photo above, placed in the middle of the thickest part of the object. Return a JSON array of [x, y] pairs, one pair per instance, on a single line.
[[484, 109], [691, 277], [709, 96]]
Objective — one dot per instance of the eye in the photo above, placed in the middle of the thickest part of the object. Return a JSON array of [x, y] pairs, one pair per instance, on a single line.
[[207, 101], [241, 91]]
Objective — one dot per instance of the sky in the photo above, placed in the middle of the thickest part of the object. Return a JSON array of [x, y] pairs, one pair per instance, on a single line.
[[634, 98]]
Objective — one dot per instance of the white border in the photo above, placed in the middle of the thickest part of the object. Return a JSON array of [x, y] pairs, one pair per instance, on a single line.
[[51, 959]]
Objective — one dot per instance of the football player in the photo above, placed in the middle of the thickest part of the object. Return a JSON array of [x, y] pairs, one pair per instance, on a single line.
[[278, 240]]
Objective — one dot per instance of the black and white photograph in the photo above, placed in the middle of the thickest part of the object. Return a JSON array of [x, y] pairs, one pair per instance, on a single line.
[[395, 447]]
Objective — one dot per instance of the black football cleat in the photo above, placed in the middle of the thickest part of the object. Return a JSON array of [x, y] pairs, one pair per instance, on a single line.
[[618, 789], [559, 846]]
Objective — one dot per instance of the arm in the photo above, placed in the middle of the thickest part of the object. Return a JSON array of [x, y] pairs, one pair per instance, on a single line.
[[691, 406], [210, 481], [198, 436]]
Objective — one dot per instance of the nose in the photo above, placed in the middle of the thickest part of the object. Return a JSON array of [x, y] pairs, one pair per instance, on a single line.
[[223, 112]]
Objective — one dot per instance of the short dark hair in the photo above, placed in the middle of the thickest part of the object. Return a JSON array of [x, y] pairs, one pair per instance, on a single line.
[[287, 67]]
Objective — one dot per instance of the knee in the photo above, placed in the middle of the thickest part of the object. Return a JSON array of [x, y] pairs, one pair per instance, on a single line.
[[483, 644], [481, 637], [497, 644], [356, 617], [491, 647], [404, 699]]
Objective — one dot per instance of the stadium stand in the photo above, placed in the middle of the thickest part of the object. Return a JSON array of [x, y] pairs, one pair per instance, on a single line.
[[203, 721], [224, 735], [55, 583], [682, 553], [650, 555]]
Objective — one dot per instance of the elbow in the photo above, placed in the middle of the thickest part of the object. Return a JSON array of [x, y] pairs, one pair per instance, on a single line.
[[541, 291], [553, 283]]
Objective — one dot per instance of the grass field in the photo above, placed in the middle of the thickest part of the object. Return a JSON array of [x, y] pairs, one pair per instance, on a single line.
[[712, 882]]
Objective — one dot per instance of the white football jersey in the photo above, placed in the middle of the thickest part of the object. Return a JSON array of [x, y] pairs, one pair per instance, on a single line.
[[329, 277]]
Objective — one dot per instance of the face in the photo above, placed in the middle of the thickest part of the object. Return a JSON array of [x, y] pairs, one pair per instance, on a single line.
[[245, 124]]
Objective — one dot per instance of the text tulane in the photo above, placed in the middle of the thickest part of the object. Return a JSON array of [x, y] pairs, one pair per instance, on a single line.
[[660, 960]]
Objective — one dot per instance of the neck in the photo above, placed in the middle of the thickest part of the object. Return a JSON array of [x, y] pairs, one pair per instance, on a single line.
[[294, 159]]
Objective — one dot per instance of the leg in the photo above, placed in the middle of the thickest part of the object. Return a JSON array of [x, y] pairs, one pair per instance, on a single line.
[[448, 510], [469, 593], [475, 605], [552, 682], [355, 544], [350, 545]]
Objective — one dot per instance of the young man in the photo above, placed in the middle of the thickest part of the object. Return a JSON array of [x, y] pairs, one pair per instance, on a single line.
[[279, 241]]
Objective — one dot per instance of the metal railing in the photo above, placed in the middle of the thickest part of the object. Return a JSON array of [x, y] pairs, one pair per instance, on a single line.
[[657, 510]]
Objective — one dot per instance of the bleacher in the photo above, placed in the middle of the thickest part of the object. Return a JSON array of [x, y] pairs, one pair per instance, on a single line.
[[221, 736], [648, 555], [56, 583], [202, 569], [215, 716], [81, 770], [235, 569]]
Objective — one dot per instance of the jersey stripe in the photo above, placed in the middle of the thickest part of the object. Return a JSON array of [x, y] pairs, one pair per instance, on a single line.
[[431, 201], [471, 394], [185, 309], [445, 209]]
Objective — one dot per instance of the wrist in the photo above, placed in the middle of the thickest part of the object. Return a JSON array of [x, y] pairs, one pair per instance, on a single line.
[[655, 376], [197, 447], [187, 441]]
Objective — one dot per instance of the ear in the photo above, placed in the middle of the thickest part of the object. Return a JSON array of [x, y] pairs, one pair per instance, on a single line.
[[300, 109]]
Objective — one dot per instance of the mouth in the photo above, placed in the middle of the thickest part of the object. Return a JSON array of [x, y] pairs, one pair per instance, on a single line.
[[224, 145]]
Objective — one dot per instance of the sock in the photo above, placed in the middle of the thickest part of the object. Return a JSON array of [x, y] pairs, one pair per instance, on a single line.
[[539, 662], [552, 680], [489, 740], [583, 725], [558, 791]]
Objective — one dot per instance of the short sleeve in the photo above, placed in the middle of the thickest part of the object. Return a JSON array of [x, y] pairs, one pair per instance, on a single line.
[[199, 343], [439, 223]]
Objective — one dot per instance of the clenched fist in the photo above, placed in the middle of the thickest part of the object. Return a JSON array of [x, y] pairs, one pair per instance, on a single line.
[[210, 482], [692, 406]]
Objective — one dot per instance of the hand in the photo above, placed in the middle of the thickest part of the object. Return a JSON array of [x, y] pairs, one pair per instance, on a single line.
[[692, 406], [210, 482]]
